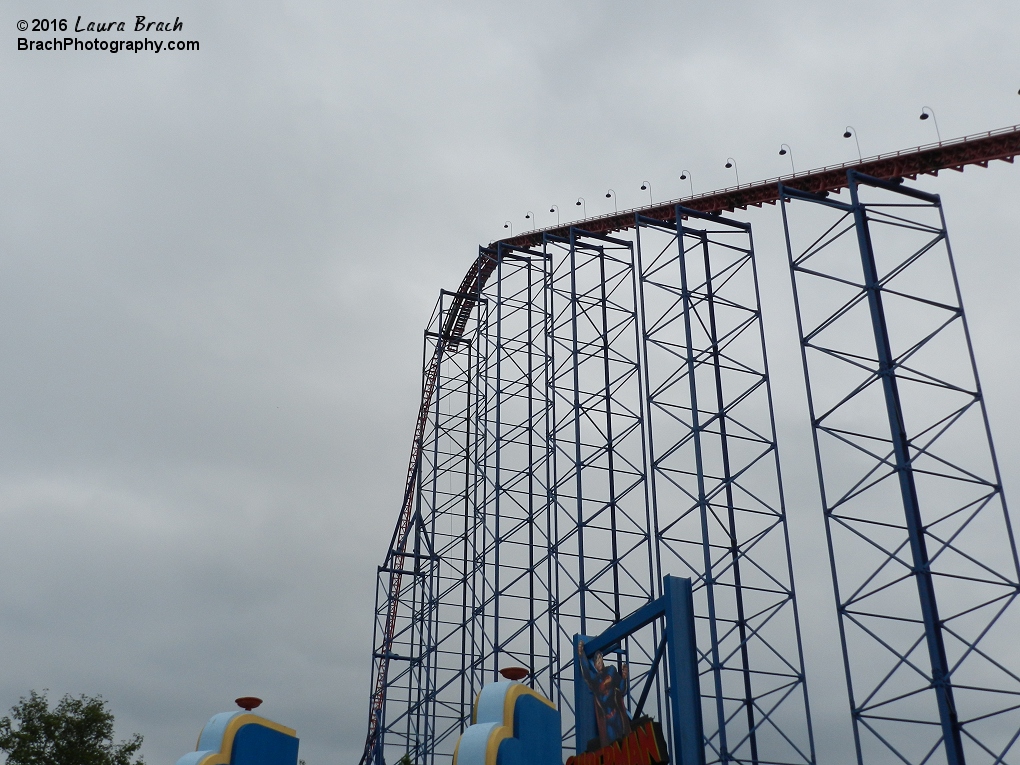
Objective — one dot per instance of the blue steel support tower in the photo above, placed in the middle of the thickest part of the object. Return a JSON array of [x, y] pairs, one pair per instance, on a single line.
[[602, 421], [922, 552], [596, 415], [717, 496]]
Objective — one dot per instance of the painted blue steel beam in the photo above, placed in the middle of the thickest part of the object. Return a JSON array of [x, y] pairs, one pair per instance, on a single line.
[[909, 482], [941, 680], [676, 610], [717, 493]]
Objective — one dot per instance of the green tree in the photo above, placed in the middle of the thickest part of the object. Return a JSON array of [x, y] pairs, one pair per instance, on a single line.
[[77, 731]]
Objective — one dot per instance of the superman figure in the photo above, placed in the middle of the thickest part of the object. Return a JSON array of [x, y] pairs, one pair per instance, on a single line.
[[608, 687]]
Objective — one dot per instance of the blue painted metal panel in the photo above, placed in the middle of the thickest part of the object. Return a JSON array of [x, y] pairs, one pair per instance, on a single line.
[[536, 739], [514, 725], [258, 745], [243, 738]]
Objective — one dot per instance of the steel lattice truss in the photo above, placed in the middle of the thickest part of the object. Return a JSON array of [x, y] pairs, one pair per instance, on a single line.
[[596, 414], [430, 661], [923, 556], [604, 419], [718, 498]]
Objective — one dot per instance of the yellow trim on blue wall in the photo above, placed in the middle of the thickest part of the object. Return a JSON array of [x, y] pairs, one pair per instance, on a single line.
[[506, 729], [222, 757], [519, 689]]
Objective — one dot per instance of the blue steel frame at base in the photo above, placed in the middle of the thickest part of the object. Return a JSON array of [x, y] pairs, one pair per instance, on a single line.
[[921, 547], [602, 421], [678, 647]]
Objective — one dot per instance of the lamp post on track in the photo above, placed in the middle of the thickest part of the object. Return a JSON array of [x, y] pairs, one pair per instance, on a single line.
[[647, 186], [510, 226], [556, 209], [927, 111], [531, 216], [687, 175], [611, 193], [851, 132], [784, 148], [732, 163], [584, 207]]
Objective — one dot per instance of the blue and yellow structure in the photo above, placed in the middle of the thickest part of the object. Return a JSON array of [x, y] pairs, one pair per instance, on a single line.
[[511, 725], [243, 738]]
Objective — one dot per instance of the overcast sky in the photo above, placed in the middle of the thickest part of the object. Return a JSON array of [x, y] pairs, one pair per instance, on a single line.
[[215, 268]]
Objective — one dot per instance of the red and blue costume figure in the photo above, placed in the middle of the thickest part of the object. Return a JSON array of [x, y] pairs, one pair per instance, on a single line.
[[609, 688]]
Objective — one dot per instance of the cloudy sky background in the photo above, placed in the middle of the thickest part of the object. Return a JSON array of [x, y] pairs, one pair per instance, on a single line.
[[215, 268]]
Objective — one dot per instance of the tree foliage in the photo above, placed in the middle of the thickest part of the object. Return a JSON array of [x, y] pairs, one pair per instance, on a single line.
[[77, 731]]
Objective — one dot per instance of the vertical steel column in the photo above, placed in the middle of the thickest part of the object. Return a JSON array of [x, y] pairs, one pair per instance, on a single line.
[[433, 571], [682, 657], [513, 472], [673, 614], [941, 681], [923, 558], [603, 545], [717, 494]]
